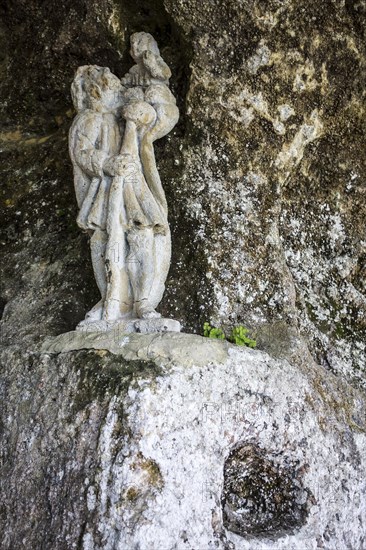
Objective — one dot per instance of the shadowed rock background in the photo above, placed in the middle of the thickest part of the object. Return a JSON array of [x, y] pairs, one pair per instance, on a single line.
[[264, 173], [265, 181]]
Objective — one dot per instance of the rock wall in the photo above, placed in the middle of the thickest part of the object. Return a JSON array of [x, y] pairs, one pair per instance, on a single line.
[[264, 173], [265, 181], [273, 169], [177, 441]]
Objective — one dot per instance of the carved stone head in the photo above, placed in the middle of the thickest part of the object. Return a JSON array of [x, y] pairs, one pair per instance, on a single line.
[[96, 88], [140, 43]]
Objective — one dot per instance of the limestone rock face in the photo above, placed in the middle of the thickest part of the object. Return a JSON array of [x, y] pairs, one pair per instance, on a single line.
[[273, 170], [176, 441], [264, 174], [161, 442]]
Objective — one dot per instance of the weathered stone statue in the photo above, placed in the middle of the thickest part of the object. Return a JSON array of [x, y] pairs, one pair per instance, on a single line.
[[118, 187]]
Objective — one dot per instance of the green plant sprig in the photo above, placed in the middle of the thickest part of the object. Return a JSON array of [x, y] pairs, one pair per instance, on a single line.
[[238, 335]]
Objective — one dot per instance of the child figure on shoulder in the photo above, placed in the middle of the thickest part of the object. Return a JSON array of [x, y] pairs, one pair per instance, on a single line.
[[150, 67]]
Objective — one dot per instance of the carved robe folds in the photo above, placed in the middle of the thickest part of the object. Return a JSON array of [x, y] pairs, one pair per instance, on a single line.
[[119, 193]]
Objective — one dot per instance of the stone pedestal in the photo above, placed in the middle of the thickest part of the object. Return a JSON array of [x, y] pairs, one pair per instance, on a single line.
[[143, 326]]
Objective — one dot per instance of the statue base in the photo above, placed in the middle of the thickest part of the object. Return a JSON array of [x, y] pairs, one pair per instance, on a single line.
[[127, 326]]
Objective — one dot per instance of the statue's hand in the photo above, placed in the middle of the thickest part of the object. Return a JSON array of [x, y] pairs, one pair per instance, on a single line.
[[119, 165], [135, 79], [139, 112], [126, 80], [141, 80], [130, 79]]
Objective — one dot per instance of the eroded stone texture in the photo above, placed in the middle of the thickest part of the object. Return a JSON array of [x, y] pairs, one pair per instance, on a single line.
[[273, 170], [40, 242], [135, 449], [265, 167], [261, 498], [266, 187], [121, 199]]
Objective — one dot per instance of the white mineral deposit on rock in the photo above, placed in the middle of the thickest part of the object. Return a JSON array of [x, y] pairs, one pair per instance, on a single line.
[[121, 200], [226, 447]]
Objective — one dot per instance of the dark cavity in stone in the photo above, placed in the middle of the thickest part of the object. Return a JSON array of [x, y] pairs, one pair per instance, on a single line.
[[262, 497], [2, 307]]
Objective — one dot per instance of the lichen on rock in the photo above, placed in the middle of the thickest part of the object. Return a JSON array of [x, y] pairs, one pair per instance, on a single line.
[[145, 447], [125, 445]]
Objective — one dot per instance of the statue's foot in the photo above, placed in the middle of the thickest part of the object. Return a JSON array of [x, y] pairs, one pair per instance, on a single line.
[[114, 312], [96, 312], [147, 312]]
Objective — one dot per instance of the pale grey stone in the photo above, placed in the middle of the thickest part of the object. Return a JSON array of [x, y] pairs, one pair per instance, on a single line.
[[222, 447], [269, 233], [118, 188], [156, 324], [186, 349]]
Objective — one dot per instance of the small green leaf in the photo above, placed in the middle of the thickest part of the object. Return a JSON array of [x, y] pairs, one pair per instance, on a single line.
[[206, 329], [217, 333], [239, 335], [213, 332]]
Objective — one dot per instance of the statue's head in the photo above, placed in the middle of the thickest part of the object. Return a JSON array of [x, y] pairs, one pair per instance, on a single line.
[[96, 88], [140, 43]]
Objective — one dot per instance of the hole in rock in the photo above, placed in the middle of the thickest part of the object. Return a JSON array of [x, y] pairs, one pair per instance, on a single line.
[[263, 496], [2, 307]]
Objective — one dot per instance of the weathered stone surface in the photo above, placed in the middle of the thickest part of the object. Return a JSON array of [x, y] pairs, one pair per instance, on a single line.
[[117, 184], [104, 453], [157, 324], [273, 171], [184, 349], [265, 167], [261, 498], [266, 186]]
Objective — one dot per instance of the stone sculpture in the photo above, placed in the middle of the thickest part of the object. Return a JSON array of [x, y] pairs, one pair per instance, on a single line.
[[118, 188]]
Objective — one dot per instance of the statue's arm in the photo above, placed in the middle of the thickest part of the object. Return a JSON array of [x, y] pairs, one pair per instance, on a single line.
[[92, 161], [86, 155], [167, 118]]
